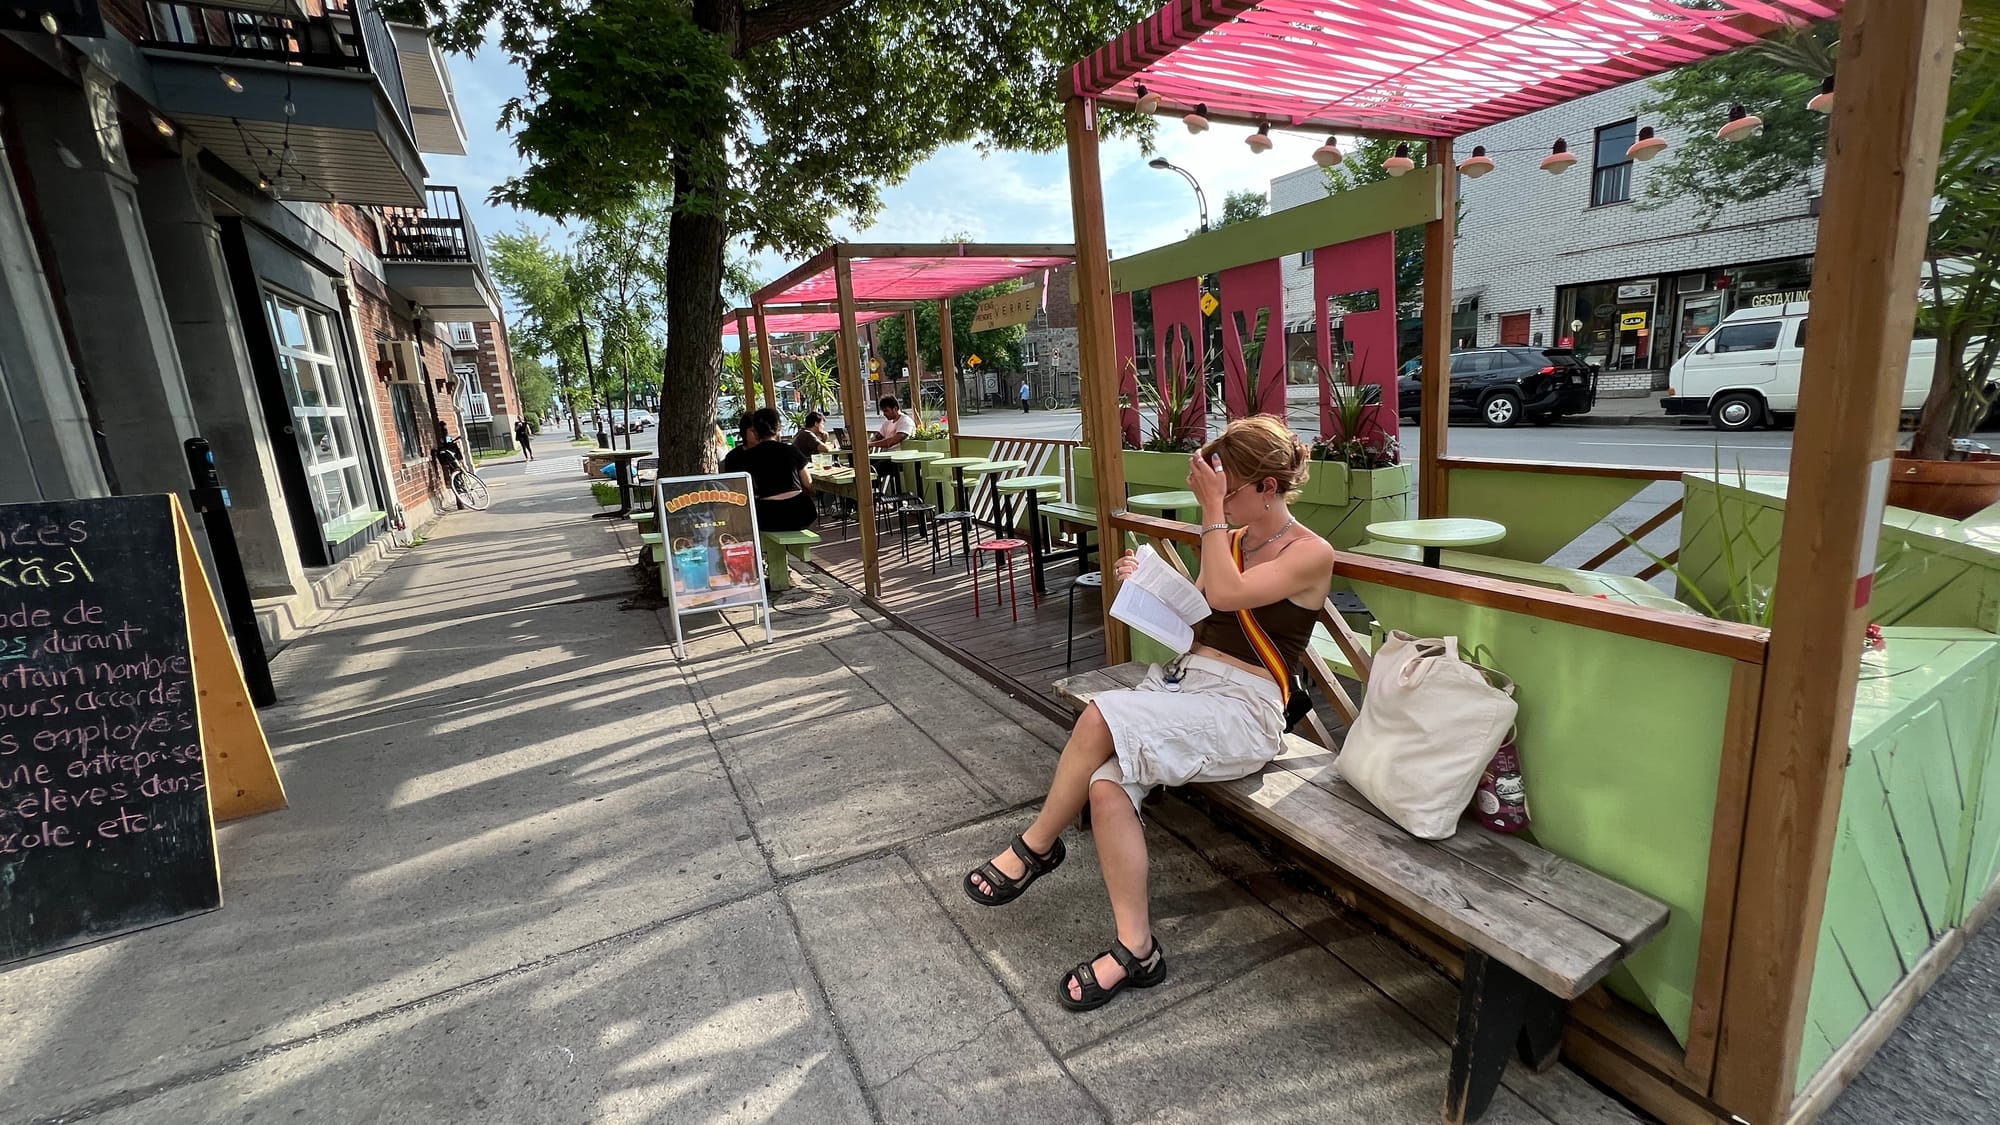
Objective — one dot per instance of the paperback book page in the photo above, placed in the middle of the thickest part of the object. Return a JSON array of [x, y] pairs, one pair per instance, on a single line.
[[1160, 603]]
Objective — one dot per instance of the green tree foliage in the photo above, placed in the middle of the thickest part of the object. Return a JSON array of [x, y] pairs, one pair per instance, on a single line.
[[1775, 81], [533, 382], [539, 281], [1363, 166], [765, 122], [1241, 206], [998, 349]]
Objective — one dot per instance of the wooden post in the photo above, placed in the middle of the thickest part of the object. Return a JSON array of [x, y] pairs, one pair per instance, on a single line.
[[1895, 73], [854, 392], [1097, 354], [949, 354], [743, 363], [764, 360], [1434, 422], [913, 358]]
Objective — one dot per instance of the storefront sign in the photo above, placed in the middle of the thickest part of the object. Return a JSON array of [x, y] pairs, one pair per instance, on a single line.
[[1635, 292], [714, 560], [1008, 309], [1632, 322], [1789, 296]]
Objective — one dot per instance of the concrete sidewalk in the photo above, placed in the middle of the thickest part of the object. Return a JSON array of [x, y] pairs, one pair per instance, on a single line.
[[537, 870]]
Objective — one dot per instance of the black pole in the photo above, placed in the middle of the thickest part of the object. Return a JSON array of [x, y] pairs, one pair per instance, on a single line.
[[583, 332], [212, 501]]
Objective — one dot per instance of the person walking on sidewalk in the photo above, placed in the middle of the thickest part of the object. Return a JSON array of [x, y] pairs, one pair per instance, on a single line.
[[1214, 714], [1025, 392], [526, 438]]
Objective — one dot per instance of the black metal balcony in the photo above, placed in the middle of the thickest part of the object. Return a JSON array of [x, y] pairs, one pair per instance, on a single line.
[[433, 257], [313, 107]]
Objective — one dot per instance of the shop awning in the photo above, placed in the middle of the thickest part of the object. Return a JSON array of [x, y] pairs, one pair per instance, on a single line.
[[912, 272], [781, 323]]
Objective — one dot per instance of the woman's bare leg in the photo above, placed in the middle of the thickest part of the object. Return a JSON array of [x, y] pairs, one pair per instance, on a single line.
[[1121, 854], [1089, 747]]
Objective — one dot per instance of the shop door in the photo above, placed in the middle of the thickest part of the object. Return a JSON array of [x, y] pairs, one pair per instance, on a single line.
[[1699, 315], [1514, 330]]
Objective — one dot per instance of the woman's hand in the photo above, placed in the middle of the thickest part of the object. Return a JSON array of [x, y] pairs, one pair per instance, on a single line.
[[1126, 564], [1209, 485]]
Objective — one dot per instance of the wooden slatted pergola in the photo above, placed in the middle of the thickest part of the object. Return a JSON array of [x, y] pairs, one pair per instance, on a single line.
[[1432, 70]]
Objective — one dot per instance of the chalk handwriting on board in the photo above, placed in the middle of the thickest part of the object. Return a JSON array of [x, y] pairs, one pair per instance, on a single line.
[[104, 820]]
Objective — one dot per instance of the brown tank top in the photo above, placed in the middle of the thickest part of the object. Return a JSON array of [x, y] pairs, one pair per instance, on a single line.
[[1288, 624]]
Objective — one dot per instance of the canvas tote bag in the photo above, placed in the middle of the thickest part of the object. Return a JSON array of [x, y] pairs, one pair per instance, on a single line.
[[1429, 725]]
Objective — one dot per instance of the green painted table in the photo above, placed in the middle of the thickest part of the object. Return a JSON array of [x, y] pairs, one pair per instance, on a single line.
[[957, 465], [622, 459], [1166, 505], [1032, 487], [982, 469], [1435, 535], [903, 457]]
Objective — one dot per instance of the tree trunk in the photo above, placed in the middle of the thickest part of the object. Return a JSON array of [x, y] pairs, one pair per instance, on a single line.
[[1932, 441]]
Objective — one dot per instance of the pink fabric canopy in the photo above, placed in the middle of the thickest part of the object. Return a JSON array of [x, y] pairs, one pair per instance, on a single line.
[[910, 273], [1425, 68], [779, 323]]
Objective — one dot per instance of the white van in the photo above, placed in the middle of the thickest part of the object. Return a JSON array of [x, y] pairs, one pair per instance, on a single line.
[[1745, 374]]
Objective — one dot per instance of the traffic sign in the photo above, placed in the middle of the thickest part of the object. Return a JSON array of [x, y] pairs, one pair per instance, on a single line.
[[973, 361], [875, 364], [1209, 304]]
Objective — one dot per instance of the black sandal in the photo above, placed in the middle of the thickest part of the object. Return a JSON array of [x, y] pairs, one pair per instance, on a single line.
[[1139, 973], [1005, 889]]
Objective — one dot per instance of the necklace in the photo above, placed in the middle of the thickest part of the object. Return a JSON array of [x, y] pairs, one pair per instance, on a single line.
[[1274, 538]]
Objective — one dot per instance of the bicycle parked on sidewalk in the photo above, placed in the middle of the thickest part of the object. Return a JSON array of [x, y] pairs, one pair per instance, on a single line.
[[463, 480]]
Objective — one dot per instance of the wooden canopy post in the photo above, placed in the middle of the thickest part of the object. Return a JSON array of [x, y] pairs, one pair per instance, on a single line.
[[913, 359], [743, 363], [764, 359], [1434, 421], [1097, 354], [949, 354], [1895, 73], [853, 393]]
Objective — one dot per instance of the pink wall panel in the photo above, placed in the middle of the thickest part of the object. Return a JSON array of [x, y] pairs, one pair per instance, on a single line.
[[1177, 351], [1253, 325], [1351, 267], [1127, 341]]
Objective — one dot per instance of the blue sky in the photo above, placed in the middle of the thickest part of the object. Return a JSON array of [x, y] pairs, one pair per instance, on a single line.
[[1006, 197]]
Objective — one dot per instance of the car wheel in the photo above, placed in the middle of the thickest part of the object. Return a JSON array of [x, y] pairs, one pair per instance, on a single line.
[[1736, 412], [1501, 410]]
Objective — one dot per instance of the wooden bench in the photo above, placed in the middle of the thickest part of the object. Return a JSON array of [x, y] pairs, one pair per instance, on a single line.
[[654, 544], [1589, 583], [1061, 512], [778, 544], [1538, 930]]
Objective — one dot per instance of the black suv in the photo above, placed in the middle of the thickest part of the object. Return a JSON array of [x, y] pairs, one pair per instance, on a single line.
[[1500, 386]]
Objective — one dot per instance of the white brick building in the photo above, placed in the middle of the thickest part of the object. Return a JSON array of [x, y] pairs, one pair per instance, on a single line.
[[1537, 253]]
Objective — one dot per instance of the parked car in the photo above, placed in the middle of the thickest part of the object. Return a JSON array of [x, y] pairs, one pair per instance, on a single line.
[[1745, 374], [1501, 386]]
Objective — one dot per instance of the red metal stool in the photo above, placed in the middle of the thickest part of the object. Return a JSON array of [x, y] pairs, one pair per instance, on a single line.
[[1002, 549]]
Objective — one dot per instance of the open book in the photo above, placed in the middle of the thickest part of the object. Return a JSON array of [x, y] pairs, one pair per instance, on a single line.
[[1160, 603]]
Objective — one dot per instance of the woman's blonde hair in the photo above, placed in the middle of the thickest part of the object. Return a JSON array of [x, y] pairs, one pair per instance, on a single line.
[[1257, 448]]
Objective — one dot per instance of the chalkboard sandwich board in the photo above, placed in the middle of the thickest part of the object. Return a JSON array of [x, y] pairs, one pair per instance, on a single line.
[[112, 656]]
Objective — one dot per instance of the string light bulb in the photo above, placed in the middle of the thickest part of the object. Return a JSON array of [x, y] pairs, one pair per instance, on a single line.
[[1148, 103], [1328, 155], [164, 127], [229, 80], [1476, 165], [1259, 141], [1647, 146], [49, 23], [1197, 119], [1559, 158], [1822, 102], [1399, 164], [1741, 126]]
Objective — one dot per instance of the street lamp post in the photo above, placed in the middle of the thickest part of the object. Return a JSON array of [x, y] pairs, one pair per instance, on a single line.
[[1200, 199]]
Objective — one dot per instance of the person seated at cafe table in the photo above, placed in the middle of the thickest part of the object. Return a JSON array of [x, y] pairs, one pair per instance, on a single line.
[[897, 427], [812, 438], [1211, 715], [780, 475]]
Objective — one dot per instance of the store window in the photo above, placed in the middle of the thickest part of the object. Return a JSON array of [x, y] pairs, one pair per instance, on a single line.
[[1611, 178], [322, 416]]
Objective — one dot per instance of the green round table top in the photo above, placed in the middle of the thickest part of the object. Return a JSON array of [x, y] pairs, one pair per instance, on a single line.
[[996, 466], [1026, 484], [908, 455], [956, 462], [1164, 501], [1451, 532]]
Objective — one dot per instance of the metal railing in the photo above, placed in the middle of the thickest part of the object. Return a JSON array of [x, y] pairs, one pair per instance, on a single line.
[[438, 232]]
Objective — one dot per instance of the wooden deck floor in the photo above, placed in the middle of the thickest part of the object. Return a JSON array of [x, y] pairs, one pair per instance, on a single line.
[[1024, 656]]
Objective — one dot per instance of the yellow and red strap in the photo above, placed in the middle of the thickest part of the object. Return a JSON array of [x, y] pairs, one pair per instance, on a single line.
[[1259, 639]]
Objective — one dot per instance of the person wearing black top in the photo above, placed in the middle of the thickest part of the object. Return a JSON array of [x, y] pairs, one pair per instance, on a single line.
[[780, 475], [812, 438]]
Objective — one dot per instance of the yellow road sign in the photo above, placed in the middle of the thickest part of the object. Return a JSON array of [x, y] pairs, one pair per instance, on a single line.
[[973, 361], [1209, 304]]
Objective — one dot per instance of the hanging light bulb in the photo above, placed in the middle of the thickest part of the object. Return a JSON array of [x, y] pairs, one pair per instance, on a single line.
[[1328, 155], [1741, 126], [49, 23], [1822, 102], [1647, 146], [229, 80], [263, 184], [162, 126], [1197, 120], [1559, 158], [1476, 165], [1400, 163], [1259, 141], [1148, 102]]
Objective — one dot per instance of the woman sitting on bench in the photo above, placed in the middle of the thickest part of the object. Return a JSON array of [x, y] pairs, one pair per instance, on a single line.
[[1212, 715], [780, 474]]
